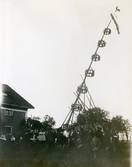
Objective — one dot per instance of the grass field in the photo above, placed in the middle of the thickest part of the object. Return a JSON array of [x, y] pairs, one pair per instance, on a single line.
[[40, 155]]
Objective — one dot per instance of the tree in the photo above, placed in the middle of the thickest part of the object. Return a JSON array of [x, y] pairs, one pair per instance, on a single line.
[[48, 122], [93, 118], [32, 124], [119, 124]]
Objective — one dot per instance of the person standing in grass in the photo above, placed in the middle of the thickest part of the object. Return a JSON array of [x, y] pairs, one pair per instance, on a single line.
[[96, 143]]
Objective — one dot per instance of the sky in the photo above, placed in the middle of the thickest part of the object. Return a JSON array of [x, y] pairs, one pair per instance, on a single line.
[[46, 46]]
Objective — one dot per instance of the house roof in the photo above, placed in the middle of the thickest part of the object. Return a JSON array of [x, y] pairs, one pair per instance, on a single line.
[[12, 98]]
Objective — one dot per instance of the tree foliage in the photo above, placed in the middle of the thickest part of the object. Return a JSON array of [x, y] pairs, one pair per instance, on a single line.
[[36, 123], [93, 118], [96, 118], [48, 122], [119, 124], [33, 124]]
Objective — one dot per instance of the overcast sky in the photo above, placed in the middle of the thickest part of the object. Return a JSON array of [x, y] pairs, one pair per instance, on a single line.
[[46, 45]]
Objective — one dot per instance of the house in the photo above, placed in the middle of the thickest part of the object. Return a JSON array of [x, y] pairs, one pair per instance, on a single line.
[[13, 110]]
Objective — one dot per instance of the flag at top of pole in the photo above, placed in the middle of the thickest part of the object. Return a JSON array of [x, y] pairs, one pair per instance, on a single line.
[[117, 9], [114, 20]]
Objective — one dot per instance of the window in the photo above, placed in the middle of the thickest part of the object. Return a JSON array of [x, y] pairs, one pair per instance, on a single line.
[[8, 112]]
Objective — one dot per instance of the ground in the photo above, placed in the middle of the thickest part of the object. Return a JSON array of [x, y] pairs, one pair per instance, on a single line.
[[40, 155]]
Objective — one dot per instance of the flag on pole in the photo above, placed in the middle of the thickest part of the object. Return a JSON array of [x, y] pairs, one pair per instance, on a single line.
[[117, 9], [117, 27]]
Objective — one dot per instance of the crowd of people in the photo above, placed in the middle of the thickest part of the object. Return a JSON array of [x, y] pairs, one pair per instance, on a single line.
[[61, 138], [76, 146]]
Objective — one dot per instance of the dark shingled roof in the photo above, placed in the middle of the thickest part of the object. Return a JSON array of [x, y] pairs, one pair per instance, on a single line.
[[12, 98]]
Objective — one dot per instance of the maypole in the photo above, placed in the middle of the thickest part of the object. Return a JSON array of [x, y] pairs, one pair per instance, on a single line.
[[78, 104]]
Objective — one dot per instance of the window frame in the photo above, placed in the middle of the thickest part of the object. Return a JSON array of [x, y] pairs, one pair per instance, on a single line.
[[8, 112]]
